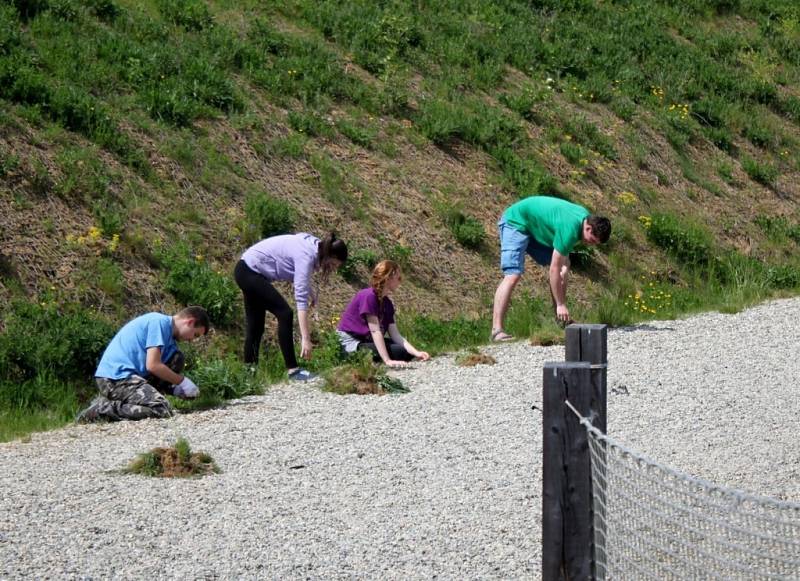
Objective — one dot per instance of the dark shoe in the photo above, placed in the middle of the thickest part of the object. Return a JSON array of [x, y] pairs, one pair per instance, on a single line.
[[302, 375]]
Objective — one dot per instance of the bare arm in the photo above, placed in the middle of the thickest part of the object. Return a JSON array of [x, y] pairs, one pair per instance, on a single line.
[[380, 343], [559, 267], [394, 333], [305, 334], [159, 369]]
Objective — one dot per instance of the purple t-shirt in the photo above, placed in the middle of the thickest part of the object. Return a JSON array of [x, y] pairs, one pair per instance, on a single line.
[[354, 317]]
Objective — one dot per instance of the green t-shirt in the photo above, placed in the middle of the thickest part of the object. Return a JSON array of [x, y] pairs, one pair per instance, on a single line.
[[551, 221]]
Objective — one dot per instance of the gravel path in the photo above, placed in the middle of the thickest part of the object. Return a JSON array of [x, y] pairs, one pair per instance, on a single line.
[[442, 482]]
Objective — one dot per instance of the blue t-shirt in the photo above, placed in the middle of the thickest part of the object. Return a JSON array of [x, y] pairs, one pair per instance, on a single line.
[[126, 355]]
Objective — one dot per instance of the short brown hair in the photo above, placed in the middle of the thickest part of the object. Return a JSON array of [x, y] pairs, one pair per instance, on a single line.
[[601, 227], [199, 315]]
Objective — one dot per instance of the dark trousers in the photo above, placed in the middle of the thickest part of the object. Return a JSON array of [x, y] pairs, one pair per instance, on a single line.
[[396, 352], [259, 297]]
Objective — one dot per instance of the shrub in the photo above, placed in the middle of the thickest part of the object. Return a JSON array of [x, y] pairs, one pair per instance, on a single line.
[[468, 231], [783, 277], [267, 216], [45, 337], [219, 379], [689, 243], [193, 281], [358, 258]]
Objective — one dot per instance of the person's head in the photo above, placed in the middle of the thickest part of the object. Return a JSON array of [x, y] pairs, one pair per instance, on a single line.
[[386, 277], [596, 230], [332, 254], [191, 323]]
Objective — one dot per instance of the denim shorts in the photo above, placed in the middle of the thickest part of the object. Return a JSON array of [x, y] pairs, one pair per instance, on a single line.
[[513, 247]]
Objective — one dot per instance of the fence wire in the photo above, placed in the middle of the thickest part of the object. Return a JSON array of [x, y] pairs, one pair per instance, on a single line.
[[653, 522]]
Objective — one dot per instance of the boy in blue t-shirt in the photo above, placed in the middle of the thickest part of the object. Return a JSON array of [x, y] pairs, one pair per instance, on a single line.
[[140, 362]]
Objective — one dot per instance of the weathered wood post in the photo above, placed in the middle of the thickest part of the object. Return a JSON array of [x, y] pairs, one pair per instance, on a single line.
[[590, 343], [567, 527]]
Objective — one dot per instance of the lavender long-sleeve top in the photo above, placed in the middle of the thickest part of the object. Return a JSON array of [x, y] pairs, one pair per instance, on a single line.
[[287, 257]]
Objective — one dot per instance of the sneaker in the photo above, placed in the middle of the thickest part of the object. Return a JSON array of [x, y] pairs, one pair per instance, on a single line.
[[302, 375]]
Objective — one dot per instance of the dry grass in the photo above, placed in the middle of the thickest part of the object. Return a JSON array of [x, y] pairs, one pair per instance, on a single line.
[[176, 462], [475, 358]]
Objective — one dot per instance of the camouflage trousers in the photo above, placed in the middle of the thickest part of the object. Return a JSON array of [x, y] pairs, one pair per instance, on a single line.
[[135, 397]]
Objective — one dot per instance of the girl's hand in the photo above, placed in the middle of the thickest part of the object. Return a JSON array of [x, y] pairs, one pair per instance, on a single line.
[[423, 355], [395, 363], [305, 348]]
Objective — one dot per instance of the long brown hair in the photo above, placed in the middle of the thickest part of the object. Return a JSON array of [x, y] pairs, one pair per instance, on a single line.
[[382, 272], [331, 248]]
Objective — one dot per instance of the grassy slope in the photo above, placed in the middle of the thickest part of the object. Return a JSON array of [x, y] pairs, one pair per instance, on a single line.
[[157, 121]]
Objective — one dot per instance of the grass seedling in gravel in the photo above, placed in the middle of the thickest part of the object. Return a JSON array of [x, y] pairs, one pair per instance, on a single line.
[[176, 462], [362, 377], [474, 357]]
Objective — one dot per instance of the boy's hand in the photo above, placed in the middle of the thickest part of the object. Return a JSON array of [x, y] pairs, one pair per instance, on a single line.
[[305, 348], [186, 389]]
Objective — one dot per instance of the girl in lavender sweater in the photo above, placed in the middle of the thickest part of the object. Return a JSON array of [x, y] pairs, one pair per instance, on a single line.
[[292, 257], [370, 315]]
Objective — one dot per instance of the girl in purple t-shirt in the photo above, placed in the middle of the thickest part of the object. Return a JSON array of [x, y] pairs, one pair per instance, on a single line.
[[370, 315]]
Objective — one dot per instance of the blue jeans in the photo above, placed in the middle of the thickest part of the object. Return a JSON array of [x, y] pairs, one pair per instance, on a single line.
[[513, 247]]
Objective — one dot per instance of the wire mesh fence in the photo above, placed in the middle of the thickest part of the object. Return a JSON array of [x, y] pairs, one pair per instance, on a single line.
[[653, 522]]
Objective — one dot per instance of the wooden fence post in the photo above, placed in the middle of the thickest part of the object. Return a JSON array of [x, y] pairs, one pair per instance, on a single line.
[[566, 474], [590, 343]]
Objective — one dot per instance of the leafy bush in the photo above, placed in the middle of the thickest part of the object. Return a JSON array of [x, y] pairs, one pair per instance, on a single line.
[[45, 337], [468, 231], [690, 243], [219, 379], [193, 281], [267, 216], [357, 259], [783, 277]]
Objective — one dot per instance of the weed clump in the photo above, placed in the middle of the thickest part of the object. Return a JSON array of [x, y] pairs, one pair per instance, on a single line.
[[474, 357], [362, 377], [175, 462]]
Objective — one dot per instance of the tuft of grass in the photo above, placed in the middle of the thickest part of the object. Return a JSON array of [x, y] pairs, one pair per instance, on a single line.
[[361, 376], [474, 357], [173, 462]]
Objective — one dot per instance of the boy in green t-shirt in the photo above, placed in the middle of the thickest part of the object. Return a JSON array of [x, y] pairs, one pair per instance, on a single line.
[[547, 229]]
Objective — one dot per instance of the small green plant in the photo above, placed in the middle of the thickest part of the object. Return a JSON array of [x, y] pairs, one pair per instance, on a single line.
[[763, 173], [358, 260], [219, 379], [193, 281], [468, 231], [267, 216], [690, 243], [172, 462], [310, 123], [189, 14]]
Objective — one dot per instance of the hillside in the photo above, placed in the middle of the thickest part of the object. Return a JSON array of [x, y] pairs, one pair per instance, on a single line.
[[145, 144]]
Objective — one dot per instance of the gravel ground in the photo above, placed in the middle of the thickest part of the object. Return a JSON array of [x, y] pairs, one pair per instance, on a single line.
[[442, 482]]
